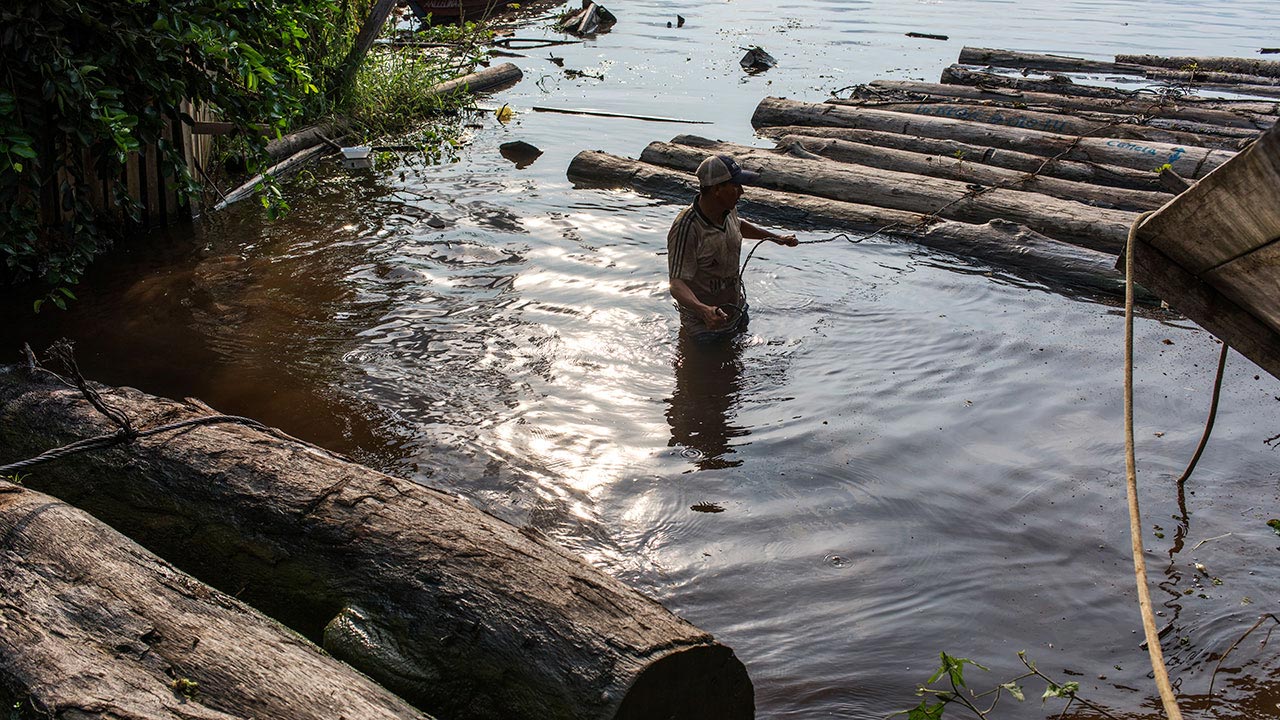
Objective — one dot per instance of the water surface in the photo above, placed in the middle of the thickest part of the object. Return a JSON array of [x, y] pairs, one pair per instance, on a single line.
[[914, 452]]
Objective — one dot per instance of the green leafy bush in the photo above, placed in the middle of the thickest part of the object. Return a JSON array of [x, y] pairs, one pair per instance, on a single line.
[[86, 82]]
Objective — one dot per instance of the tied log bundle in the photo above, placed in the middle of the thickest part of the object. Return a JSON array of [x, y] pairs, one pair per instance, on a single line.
[[454, 610], [1187, 161], [1067, 121], [1061, 85], [1082, 172], [1090, 227], [1141, 107], [94, 626], [1000, 243]]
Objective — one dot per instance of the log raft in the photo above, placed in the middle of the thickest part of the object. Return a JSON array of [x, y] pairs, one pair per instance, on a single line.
[[1016, 158], [457, 612]]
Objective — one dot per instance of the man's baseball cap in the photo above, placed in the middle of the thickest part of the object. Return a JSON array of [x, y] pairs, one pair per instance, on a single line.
[[719, 169]]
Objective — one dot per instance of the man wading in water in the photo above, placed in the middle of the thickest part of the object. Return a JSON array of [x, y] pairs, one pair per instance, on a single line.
[[703, 249]]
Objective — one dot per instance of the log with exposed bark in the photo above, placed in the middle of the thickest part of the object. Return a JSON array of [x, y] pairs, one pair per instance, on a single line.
[[1190, 162], [94, 626], [1083, 172], [1236, 65], [1146, 106], [460, 613], [1241, 66], [1073, 222], [1039, 61], [308, 137], [484, 80], [959, 168], [999, 243], [1240, 84], [1062, 85], [1067, 122]]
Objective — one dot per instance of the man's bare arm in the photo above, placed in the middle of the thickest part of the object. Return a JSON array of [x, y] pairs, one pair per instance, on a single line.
[[711, 315], [753, 232]]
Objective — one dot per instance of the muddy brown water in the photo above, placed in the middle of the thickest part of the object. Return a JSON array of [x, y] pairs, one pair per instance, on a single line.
[[914, 453]]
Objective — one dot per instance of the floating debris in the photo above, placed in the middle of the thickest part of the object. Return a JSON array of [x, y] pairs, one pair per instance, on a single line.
[[706, 507], [757, 60], [590, 19], [927, 36], [520, 152]]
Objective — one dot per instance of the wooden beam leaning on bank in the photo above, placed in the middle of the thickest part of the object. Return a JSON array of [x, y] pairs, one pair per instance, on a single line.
[[1000, 243], [1065, 220], [454, 610], [1190, 162], [1084, 172], [92, 625]]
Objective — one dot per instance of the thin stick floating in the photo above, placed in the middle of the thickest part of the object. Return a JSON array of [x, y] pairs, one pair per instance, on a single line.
[[602, 113]]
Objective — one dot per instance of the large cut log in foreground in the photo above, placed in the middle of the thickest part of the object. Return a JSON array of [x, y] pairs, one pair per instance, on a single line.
[[1241, 66], [1062, 85], [1081, 172], [1189, 162], [1002, 244], [1148, 106], [94, 626], [1073, 222], [1066, 123], [452, 609], [959, 168]]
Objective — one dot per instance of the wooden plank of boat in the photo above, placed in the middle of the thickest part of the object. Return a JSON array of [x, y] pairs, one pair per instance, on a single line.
[[437, 9], [1213, 252]]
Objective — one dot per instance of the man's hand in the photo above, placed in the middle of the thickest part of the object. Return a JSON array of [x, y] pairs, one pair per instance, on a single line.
[[713, 316], [788, 240]]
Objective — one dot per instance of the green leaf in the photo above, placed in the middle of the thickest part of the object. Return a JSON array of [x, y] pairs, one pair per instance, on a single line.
[[23, 151], [1274, 524], [1065, 690], [925, 711], [67, 292], [953, 668], [35, 306], [1014, 690]]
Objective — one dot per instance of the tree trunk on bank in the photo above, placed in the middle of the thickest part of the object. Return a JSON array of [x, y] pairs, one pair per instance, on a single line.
[[93, 626], [999, 243], [1082, 172], [1062, 85], [1240, 66], [454, 610], [964, 170], [1066, 123], [1038, 61], [1189, 162], [307, 137], [1144, 106], [1073, 222]]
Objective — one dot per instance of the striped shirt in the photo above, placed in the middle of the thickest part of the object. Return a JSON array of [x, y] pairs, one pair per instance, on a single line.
[[705, 256]]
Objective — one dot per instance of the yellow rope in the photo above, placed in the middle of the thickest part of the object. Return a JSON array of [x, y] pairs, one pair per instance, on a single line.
[[1167, 697]]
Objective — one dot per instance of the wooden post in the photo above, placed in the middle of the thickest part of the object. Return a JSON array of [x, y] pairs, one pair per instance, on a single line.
[[368, 33]]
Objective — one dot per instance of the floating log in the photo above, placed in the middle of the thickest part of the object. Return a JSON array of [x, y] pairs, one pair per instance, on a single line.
[[484, 80], [1141, 105], [1239, 66], [1062, 85], [1190, 162], [999, 243], [307, 137], [959, 168], [1073, 222], [1240, 84], [458, 612], [92, 625], [1083, 172], [1063, 122], [1038, 61]]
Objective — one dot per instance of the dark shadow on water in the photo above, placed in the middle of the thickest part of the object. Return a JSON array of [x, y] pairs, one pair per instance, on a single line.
[[702, 409]]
